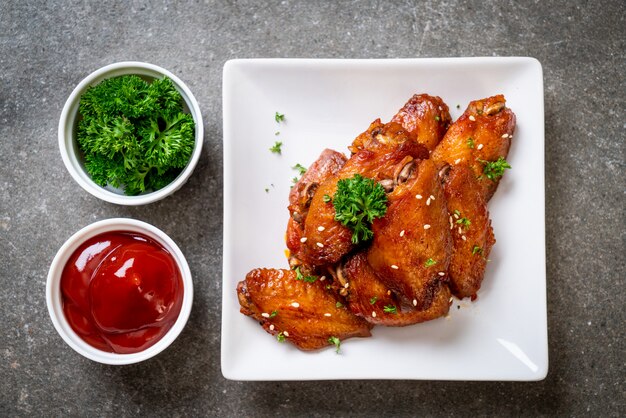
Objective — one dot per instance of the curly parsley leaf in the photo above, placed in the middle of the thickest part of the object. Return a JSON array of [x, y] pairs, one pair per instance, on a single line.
[[430, 262], [390, 309], [336, 342], [494, 169], [279, 117], [276, 148], [358, 201]]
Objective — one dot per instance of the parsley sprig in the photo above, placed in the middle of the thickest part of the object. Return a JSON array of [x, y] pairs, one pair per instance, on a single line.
[[358, 201], [336, 342], [494, 169]]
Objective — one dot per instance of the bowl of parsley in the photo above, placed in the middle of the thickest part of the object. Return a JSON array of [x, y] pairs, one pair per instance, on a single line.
[[131, 133]]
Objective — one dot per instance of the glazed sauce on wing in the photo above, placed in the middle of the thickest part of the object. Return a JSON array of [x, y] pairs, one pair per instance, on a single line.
[[121, 292]]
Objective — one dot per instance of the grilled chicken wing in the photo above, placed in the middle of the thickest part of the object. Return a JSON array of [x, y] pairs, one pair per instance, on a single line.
[[427, 117], [371, 299], [304, 313], [411, 247], [472, 235], [327, 164], [482, 134]]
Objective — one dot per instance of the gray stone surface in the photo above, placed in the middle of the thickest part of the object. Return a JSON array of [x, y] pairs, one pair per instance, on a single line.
[[46, 48]]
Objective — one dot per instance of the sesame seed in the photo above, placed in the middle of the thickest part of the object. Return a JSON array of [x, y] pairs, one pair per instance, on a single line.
[[510, 136], [347, 285], [428, 202], [418, 196], [480, 146], [373, 314], [458, 160], [440, 108], [426, 226], [327, 314], [402, 233], [451, 226], [432, 197], [265, 315], [393, 266], [456, 216], [450, 219], [472, 118], [272, 327], [505, 136], [320, 228], [295, 305], [319, 244], [388, 292], [460, 230], [414, 302], [322, 278], [303, 239], [285, 333], [441, 273], [464, 237]]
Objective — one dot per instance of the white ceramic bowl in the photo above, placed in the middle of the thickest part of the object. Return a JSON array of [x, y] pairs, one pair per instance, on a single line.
[[55, 305], [72, 156]]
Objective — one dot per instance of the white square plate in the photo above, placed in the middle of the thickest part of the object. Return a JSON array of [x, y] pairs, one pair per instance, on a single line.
[[327, 103]]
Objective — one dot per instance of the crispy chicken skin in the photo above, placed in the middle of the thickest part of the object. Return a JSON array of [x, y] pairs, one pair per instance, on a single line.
[[381, 153], [426, 117], [413, 231], [472, 234], [482, 133], [301, 308], [326, 165], [368, 296]]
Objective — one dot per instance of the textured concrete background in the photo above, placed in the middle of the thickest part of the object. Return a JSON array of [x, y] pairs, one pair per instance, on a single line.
[[46, 49]]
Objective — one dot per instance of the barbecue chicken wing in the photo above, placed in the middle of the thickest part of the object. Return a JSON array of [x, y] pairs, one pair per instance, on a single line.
[[426, 117], [472, 235], [304, 313], [411, 248], [371, 299], [482, 134]]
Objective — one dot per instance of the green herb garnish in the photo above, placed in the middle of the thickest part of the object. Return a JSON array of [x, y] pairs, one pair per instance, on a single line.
[[464, 221], [390, 309], [477, 250], [267, 190], [430, 262], [437, 118], [326, 198], [276, 148], [338, 305], [299, 275], [134, 134], [273, 314], [279, 117], [301, 169], [373, 300], [310, 279], [280, 337], [358, 201], [494, 169], [336, 342], [470, 142]]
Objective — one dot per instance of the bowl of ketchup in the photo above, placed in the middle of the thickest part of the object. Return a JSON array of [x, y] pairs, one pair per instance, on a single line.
[[119, 291]]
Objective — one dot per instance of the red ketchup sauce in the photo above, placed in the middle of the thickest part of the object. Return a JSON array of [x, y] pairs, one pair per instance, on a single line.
[[121, 292]]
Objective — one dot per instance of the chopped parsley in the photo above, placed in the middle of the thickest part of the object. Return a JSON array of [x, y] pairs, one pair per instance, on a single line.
[[430, 262], [358, 201], [267, 190], [277, 133], [295, 180], [301, 169], [373, 300], [338, 305], [279, 117], [336, 342], [326, 198], [457, 213], [477, 250], [299, 275], [310, 279], [390, 309], [494, 169], [276, 147], [273, 314], [464, 221], [437, 118], [470, 142], [280, 337]]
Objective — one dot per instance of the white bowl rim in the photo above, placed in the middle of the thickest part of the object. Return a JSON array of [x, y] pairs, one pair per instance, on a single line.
[[84, 181], [53, 290]]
